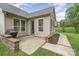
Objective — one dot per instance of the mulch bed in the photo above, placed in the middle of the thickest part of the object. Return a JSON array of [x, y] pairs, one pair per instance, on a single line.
[[53, 39]]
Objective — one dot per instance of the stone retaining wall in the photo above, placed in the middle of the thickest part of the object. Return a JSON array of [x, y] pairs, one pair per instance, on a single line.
[[11, 43], [0, 39]]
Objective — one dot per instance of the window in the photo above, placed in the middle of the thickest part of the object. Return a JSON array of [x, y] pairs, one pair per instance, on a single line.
[[22, 25], [40, 25], [19, 25], [16, 25]]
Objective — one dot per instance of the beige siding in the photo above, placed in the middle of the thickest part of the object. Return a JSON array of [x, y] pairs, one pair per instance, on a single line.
[[9, 23], [29, 27], [46, 26], [53, 18], [2, 22]]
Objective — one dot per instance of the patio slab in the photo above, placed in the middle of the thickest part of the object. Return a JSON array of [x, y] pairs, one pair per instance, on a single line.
[[63, 47], [29, 44], [63, 41]]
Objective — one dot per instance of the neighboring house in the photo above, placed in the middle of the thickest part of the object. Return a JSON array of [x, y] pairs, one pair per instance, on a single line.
[[39, 23]]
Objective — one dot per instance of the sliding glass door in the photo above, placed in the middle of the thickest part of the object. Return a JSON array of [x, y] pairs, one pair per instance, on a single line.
[[16, 25], [19, 25]]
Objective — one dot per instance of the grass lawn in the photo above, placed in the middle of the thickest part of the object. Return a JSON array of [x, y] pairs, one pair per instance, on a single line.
[[72, 37], [74, 40], [44, 52], [4, 51]]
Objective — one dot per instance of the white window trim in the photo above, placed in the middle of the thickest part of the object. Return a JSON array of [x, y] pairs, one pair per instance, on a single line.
[[20, 25], [23, 26], [41, 26]]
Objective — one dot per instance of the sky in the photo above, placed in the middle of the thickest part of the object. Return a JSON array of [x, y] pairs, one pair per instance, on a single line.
[[60, 8]]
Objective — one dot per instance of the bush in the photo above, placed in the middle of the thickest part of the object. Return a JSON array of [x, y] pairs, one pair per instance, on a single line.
[[67, 29]]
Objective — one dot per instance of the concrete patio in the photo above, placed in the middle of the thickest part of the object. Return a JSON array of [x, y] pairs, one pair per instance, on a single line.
[[63, 47], [29, 44]]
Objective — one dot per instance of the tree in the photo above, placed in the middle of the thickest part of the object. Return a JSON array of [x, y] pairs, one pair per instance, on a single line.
[[62, 24], [72, 14], [75, 23], [67, 23]]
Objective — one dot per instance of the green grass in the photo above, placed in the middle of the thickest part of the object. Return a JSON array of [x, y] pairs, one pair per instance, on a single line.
[[72, 37], [74, 40], [44, 52], [4, 51]]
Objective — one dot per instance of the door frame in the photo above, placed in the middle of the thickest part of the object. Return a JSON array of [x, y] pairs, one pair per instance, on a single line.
[[32, 27]]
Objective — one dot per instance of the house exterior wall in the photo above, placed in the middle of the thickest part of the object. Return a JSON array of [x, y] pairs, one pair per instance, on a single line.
[[53, 20], [2, 22], [29, 26], [46, 26], [9, 23]]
